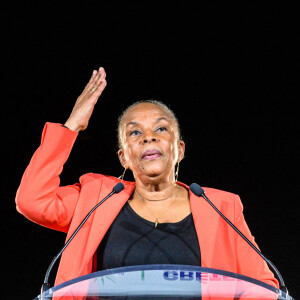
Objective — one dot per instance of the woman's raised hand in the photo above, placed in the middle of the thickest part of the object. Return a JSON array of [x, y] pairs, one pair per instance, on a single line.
[[85, 103]]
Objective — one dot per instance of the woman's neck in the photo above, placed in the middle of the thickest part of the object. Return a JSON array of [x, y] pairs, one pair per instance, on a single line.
[[152, 190]]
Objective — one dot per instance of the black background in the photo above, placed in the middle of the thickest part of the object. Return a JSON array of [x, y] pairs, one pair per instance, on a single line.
[[229, 71]]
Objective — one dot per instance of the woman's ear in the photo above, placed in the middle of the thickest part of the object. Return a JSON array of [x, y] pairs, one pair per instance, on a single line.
[[181, 150], [122, 158]]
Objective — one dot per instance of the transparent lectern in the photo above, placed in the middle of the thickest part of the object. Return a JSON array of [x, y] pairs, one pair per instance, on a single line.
[[163, 282]]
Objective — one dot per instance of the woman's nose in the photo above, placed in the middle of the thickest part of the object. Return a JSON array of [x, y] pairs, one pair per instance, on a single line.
[[149, 137], [149, 140]]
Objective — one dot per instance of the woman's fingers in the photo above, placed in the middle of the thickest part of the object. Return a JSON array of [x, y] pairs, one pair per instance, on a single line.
[[98, 84], [84, 105], [93, 80]]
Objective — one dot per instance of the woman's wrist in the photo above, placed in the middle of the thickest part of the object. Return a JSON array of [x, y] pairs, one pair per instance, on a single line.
[[72, 126]]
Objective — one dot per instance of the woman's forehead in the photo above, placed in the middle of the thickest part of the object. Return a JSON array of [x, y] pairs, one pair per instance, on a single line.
[[145, 111]]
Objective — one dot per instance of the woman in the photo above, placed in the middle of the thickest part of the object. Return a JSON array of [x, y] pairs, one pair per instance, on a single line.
[[155, 219]]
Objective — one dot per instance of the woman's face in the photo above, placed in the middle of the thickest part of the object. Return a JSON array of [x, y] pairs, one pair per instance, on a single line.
[[150, 143]]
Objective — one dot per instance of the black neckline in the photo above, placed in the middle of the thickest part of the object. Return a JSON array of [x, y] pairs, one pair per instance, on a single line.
[[181, 222]]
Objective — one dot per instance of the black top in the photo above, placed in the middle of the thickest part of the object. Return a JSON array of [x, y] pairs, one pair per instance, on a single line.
[[132, 240]]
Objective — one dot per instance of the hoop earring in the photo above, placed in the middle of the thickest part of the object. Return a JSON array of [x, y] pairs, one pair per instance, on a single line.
[[177, 171], [122, 176]]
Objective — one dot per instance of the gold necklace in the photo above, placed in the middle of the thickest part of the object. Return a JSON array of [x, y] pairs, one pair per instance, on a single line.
[[156, 218]]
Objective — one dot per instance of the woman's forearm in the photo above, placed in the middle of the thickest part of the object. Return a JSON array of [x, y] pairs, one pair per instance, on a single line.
[[40, 197]]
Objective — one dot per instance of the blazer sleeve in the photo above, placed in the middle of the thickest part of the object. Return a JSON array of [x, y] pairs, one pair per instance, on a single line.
[[39, 196], [248, 261]]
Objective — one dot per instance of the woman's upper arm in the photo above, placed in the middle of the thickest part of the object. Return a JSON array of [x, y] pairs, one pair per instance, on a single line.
[[54, 210]]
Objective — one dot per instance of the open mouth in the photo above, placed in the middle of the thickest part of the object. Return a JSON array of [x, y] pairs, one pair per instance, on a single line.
[[151, 154]]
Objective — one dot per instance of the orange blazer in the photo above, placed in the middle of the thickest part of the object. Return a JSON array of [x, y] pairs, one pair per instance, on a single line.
[[41, 199]]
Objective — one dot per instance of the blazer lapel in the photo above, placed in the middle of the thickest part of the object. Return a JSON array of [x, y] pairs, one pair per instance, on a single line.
[[206, 223], [105, 214]]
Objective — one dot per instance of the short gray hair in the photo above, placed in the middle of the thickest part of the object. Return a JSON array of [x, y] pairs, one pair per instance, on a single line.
[[152, 101]]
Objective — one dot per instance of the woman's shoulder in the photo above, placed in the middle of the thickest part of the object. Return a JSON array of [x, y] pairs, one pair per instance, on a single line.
[[228, 202], [215, 194], [221, 195], [216, 191]]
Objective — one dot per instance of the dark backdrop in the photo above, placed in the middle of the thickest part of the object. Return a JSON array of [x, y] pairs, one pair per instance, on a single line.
[[229, 71]]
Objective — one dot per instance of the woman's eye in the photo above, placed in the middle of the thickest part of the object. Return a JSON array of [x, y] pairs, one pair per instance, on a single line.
[[161, 129], [134, 132]]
